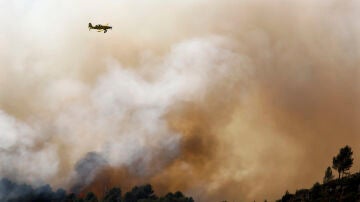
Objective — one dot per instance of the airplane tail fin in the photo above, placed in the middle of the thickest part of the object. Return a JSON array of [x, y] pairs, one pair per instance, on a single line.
[[90, 26]]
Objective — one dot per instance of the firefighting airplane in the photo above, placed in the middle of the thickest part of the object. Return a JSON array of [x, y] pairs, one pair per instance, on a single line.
[[99, 27]]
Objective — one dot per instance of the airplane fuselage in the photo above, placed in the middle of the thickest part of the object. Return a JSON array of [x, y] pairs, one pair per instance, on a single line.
[[100, 27]]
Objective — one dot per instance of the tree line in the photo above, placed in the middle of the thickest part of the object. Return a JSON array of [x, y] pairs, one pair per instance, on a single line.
[[345, 188], [13, 192]]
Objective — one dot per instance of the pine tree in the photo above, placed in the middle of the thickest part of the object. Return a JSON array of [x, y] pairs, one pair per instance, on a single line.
[[343, 161], [328, 175]]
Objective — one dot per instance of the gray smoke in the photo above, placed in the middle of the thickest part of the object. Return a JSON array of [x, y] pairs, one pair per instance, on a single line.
[[86, 170], [228, 103]]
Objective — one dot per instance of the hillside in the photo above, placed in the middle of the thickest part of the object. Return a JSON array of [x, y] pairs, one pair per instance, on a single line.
[[346, 189]]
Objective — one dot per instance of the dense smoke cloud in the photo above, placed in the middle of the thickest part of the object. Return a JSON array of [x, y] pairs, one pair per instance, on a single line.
[[240, 102]]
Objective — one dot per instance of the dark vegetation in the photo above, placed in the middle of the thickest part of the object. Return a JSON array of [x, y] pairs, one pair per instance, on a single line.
[[13, 192], [345, 188]]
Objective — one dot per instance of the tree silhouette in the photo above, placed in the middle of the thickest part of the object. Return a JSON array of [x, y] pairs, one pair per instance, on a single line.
[[12, 192], [316, 192], [113, 195], [343, 161], [175, 197], [328, 175], [141, 192], [71, 197], [59, 195], [90, 197], [287, 196]]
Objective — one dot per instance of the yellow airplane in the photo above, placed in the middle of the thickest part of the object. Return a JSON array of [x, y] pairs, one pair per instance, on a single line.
[[99, 27]]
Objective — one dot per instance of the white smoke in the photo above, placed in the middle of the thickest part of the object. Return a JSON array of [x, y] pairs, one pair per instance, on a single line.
[[121, 116], [66, 91], [24, 152]]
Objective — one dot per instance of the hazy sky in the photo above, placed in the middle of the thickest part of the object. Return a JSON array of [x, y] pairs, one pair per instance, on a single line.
[[233, 99]]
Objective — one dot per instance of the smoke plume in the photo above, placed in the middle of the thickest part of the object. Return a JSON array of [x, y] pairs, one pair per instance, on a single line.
[[235, 100]]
